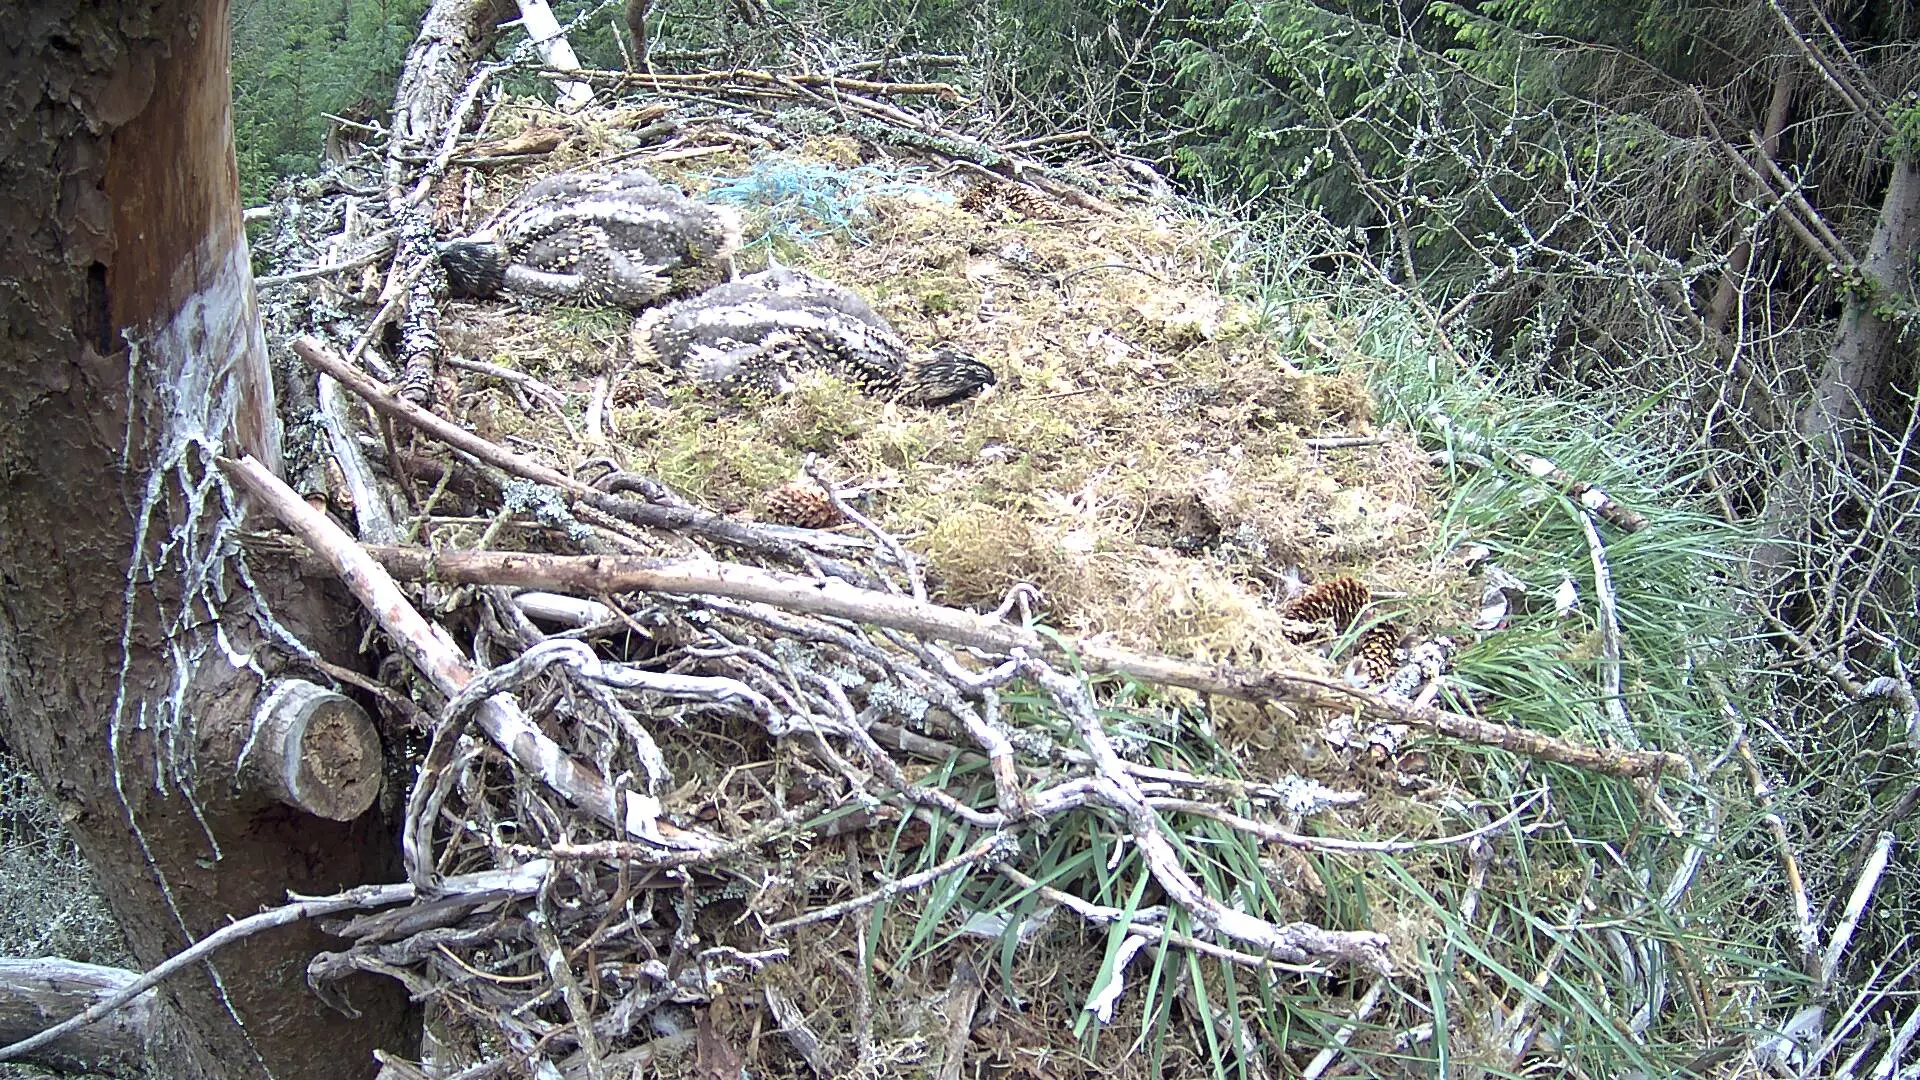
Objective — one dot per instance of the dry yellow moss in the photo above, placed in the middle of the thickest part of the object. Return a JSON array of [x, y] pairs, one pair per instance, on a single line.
[[1140, 462]]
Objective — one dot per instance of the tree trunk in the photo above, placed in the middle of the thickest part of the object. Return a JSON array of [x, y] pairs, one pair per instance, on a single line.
[[1855, 373], [1741, 260], [132, 641], [637, 32]]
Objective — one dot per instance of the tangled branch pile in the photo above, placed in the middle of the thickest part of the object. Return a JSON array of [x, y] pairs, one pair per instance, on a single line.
[[675, 777]]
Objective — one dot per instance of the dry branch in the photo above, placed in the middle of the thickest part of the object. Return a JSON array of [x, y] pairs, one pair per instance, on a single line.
[[32, 990], [433, 652], [522, 881], [664, 512], [744, 78], [596, 574]]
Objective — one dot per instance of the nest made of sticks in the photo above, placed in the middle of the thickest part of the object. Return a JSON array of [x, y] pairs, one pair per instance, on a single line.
[[727, 780]]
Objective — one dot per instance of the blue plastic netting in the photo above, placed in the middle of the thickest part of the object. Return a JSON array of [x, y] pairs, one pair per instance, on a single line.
[[807, 200]]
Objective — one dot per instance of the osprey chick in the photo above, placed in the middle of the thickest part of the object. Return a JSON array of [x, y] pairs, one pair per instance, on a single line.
[[622, 238], [757, 332]]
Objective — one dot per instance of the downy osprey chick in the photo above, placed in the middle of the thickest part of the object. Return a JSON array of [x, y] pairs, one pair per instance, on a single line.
[[622, 238], [757, 333]]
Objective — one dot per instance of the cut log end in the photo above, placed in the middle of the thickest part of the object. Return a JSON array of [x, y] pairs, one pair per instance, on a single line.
[[316, 751]]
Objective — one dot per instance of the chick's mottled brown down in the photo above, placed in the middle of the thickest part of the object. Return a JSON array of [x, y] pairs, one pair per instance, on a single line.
[[755, 335], [621, 238]]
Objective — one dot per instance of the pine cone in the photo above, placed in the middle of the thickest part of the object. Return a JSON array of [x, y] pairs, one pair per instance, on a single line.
[[981, 197], [802, 505], [1339, 601], [1375, 652], [1028, 203]]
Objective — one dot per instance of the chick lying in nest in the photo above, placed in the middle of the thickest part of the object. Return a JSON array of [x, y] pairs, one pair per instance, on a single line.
[[757, 333], [622, 238]]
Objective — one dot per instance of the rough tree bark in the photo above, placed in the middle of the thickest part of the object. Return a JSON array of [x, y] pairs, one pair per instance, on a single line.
[[1733, 282], [1855, 373], [132, 641]]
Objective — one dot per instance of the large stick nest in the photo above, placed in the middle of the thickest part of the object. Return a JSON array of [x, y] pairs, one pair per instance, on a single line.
[[845, 848]]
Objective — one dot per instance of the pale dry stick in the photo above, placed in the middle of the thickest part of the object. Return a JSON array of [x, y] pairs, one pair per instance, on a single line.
[[428, 647], [596, 419], [1807, 932], [1297, 941], [1610, 645], [383, 243], [1102, 915], [1896, 1052], [450, 138], [523, 880], [1273, 834], [561, 972], [761, 79], [1856, 906], [397, 287], [507, 374], [371, 514], [916, 581], [963, 997], [791, 1021], [596, 574], [1101, 1004], [1340, 1038], [992, 846], [664, 511], [1874, 990]]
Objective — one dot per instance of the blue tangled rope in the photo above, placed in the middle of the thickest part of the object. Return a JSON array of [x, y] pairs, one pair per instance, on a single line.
[[807, 200]]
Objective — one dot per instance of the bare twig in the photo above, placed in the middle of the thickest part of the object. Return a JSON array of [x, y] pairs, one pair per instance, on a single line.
[[526, 880]]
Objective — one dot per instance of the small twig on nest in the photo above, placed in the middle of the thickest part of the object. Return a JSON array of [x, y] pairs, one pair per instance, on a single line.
[[1103, 915], [995, 845], [885, 539], [1067, 278], [1610, 643], [677, 516], [1297, 942], [758, 80], [526, 880], [382, 243]]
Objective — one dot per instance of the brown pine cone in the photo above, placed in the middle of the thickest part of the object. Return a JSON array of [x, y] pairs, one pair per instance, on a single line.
[[802, 505], [1375, 652], [981, 197], [1338, 601]]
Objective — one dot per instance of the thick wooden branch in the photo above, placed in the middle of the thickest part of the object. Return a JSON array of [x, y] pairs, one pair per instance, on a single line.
[[429, 648], [314, 750], [36, 993], [598, 574]]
